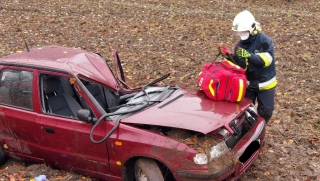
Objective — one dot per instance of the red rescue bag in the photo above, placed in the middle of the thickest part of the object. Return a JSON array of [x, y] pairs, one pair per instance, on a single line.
[[223, 81]]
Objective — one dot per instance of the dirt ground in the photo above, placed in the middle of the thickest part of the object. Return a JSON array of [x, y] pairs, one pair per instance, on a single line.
[[155, 37]]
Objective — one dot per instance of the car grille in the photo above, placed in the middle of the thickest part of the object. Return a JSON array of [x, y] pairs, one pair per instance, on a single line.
[[240, 127]]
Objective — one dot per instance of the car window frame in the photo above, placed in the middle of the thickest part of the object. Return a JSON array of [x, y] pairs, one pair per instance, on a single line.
[[41, 96]]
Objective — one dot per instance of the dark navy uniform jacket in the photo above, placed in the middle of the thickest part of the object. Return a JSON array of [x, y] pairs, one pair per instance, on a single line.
[[260, 66]]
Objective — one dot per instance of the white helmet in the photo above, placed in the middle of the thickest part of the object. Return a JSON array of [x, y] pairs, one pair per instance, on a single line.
[[245, 22]]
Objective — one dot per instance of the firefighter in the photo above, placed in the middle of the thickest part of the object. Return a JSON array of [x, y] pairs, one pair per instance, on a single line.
[[255, 53]]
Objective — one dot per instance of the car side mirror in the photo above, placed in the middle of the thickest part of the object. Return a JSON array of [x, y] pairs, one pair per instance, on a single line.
[[85, 115]]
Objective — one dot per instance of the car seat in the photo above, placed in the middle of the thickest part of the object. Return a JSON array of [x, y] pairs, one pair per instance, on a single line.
[[60, 104], [104, 96], [65, 87]]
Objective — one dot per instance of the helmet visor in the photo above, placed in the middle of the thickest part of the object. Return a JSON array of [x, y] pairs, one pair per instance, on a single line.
[[243, 34]]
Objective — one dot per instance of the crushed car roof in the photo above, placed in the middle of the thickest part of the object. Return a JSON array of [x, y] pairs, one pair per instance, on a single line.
[[75, 61]]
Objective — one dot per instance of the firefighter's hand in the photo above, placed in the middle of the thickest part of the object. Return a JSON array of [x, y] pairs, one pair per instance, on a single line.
[[242, 53], [224, 50]]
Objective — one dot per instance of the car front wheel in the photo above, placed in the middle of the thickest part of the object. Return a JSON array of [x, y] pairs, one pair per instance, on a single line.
[[147, 170]]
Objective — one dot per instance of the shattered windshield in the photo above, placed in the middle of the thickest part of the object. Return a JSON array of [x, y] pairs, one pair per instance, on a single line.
[[149, 95], [113, 102]]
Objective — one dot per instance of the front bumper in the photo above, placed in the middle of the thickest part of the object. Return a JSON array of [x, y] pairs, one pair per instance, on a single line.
[[246, 151]]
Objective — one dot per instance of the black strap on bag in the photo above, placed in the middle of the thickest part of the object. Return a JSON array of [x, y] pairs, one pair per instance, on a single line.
[[225, 52]]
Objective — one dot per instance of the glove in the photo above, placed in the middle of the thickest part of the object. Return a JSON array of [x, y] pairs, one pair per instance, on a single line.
[[242, 53], [240, 61], [224, 50], [226, 53]]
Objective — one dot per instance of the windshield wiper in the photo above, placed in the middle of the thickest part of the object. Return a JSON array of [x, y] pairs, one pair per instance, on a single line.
[[164, 91], [158, 80], [125, 105]]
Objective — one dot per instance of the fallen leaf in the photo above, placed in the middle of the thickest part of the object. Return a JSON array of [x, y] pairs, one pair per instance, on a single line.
[[276, 121], [263, 152], [200, 150], [190, 142], [290, 142], [313, 140], [315, 165], [195, 139], [72, 80], [281, 161], [284, 150], [58, 177], [206, 144], [129, 77]]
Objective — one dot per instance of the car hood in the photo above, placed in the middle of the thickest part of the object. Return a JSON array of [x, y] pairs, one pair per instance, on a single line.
[[191, 110]]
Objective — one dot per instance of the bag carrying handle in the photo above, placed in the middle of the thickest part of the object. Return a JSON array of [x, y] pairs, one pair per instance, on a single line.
[[223, 50], [214, 59]]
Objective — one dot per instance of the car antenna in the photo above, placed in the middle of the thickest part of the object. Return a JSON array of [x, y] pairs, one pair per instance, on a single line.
[[25, 43]]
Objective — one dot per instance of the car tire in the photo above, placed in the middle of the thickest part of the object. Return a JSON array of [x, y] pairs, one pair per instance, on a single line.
[[3, 157], [147, 170]]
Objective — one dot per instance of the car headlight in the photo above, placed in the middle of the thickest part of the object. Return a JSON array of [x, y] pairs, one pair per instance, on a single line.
[[200, 158], [216, 151]]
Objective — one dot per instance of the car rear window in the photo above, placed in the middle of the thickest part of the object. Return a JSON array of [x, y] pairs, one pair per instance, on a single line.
[[16, 88]]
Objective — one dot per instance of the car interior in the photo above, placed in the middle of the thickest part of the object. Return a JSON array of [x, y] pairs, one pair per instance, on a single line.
[[58, 103], [60, 97], [104, 96]]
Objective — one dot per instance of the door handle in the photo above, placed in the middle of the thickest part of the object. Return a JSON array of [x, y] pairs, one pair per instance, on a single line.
[[50, 130]]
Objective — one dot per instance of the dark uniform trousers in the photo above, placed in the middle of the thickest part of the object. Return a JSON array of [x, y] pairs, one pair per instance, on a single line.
[[265, 100]]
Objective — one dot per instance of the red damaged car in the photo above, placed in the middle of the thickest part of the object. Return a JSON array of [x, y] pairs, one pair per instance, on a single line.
[[64, 107]]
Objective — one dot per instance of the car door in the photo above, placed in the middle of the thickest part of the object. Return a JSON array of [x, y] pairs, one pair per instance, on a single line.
[[18, 125], [64, 139]]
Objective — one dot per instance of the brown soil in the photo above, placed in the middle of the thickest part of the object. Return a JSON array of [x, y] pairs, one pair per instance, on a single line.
[[155, 37]]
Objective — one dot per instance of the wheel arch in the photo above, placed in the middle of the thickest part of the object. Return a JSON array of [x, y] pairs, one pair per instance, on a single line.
[[3, 156], [127, 172]]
